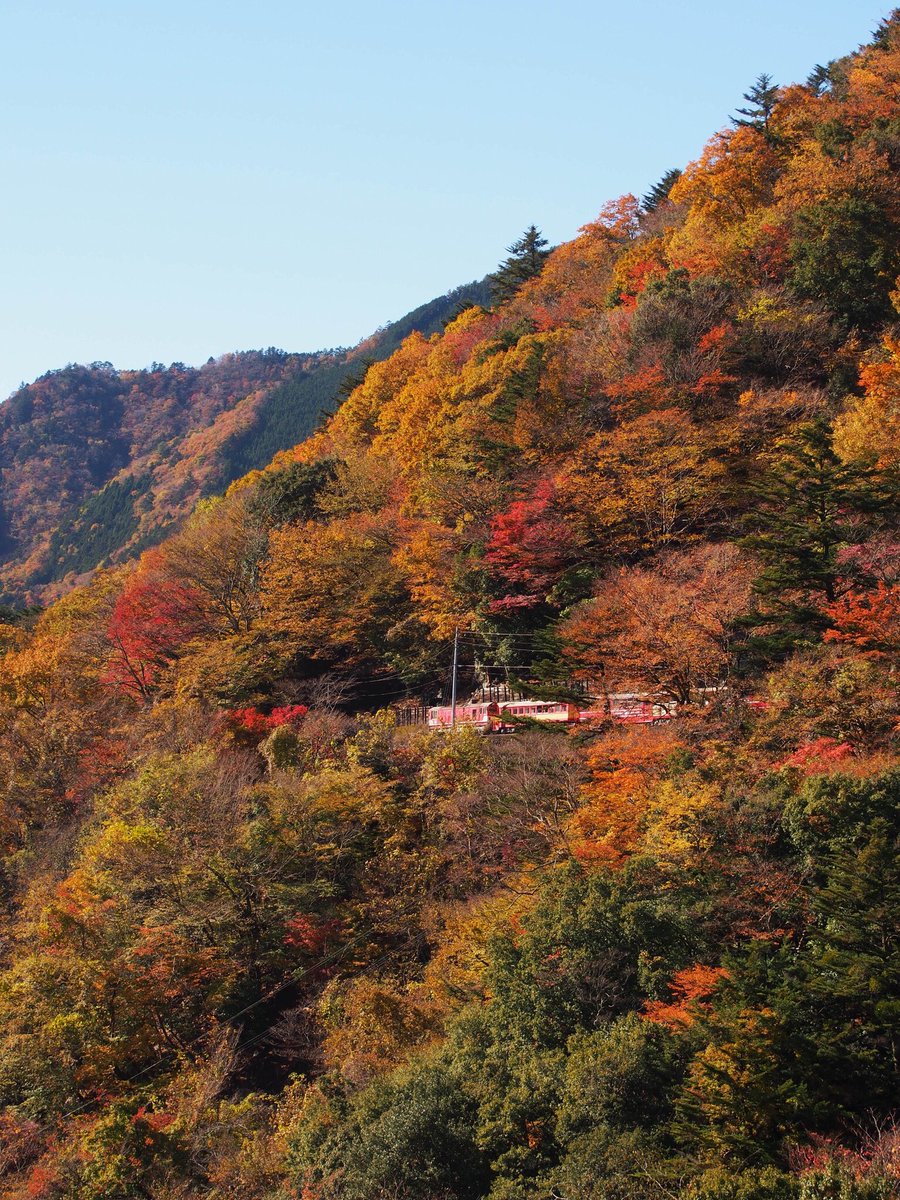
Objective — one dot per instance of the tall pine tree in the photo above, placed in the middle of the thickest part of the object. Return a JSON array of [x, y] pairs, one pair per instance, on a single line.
[[659, 193], [761, 100], [526, 258], [809, 505]]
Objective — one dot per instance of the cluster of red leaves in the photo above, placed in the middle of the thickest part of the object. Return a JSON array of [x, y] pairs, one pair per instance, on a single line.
[[647, 386], [637, 275], [154, 617], [819, 757], [99, 764], [42, 1181], [877, 1152], [253, 725], [21, 1141], [867, 622], [528, 548], [311, 934], [157, 1121], [691, 990]]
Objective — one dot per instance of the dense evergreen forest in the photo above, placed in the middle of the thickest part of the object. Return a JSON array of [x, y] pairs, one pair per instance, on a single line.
[[262, 939], [96, 464]]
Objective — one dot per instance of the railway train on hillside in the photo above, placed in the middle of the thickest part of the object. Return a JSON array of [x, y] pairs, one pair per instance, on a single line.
[[503, 717]]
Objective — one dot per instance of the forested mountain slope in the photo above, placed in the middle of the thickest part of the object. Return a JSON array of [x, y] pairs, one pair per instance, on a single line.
[[97, 464], [263, 941]]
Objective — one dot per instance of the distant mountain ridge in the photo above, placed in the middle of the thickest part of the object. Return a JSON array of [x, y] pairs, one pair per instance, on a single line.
[[97, 464]]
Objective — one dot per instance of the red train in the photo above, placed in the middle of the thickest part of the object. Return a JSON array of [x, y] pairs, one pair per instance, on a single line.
[[492, 717]]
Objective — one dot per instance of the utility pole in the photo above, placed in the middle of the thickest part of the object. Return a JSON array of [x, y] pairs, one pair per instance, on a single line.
[[453, 682]]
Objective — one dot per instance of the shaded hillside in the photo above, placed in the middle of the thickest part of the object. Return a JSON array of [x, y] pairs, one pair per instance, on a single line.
[[97, 464], [294, 408], [92, 457]]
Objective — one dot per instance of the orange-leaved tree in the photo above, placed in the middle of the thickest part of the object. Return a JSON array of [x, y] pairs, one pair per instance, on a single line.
[[331, 592], [624, 765], [869, 428], [867, 623], [669, 628], [647, 483]]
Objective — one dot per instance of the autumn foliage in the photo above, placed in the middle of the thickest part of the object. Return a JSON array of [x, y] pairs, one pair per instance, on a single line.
[[267, 934]]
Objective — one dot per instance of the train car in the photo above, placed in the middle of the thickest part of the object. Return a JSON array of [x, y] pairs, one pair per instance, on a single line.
[[635, 710], [625, 708], [587, 715], [551, 711], [484, 717], [630, 708]]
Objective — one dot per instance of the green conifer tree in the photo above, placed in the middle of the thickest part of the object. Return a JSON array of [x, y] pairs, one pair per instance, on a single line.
[[854, 968], [819, 79], [526, 258], [659, 193], [761, 99], [809, 505]]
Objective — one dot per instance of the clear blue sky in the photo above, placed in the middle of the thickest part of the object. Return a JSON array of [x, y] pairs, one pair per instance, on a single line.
[[187, 177]]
